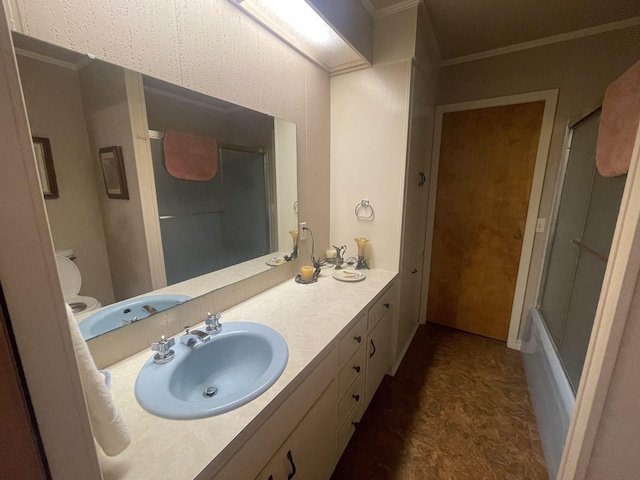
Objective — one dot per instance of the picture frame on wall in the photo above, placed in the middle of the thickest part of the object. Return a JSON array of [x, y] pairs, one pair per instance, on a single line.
[[46, 172], [115, 179]]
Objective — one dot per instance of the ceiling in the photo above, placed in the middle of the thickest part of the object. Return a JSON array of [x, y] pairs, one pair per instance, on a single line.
[[465, 27]]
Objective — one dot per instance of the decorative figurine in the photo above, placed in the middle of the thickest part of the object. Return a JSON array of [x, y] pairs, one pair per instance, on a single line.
[[339, 256], [294, 253]]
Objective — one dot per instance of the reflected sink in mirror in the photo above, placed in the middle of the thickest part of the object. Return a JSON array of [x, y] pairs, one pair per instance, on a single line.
[[127, 312], [229, 370]]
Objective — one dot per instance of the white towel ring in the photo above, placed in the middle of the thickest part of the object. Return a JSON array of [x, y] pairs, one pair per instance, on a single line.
[[362, 208]]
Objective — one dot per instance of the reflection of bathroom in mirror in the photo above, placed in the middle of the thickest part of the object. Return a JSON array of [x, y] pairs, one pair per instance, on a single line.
[[179, 223]]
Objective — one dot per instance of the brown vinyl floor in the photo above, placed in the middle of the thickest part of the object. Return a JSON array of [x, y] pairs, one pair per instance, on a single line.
[[457, 409]]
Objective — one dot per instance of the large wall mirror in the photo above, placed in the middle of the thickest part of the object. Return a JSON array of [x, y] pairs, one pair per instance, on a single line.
[[164, 193]]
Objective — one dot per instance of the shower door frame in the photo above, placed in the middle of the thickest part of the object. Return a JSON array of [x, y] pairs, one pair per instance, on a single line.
[[555, 203]]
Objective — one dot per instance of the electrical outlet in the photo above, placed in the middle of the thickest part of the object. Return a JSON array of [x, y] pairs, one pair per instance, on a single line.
[[540, 225], [302, 233]]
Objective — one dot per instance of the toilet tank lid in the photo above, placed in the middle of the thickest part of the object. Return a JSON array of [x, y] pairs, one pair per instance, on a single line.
[[65, 252]]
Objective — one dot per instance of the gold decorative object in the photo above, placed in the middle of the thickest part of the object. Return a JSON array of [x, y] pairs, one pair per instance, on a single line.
[[362, 243]]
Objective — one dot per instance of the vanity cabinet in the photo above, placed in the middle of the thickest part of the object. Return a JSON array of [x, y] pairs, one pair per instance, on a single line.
[[294, 421], [370, 343], [308, 432], [378, 355], [310, 451], [409, 305]]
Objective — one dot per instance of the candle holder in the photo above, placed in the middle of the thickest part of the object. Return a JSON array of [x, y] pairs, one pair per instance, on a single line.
[[314, 276], [294, 253], [362, 262]]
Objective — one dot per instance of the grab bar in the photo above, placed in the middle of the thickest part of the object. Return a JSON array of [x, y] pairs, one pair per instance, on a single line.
[[588, 249]]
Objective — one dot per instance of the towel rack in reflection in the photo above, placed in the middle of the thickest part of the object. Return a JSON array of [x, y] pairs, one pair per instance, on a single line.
[[167, 217], [588, 249]]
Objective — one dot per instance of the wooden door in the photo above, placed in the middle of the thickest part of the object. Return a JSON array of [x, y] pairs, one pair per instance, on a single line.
[[21, 455], [487, 159]]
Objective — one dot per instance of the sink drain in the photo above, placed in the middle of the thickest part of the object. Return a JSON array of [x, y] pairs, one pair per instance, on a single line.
[[209, 392]]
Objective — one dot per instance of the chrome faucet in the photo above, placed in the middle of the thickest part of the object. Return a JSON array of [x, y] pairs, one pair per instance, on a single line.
[[213, 323], [191, 338], [163, 347]]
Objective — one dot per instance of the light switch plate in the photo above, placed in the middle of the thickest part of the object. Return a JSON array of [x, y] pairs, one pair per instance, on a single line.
[[541, 225]]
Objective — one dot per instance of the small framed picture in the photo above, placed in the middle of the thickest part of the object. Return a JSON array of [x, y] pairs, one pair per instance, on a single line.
[[46, 172], [115, 180]]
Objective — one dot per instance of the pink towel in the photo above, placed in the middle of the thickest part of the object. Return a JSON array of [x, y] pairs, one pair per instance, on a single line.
[[189, 157], [619, 124]]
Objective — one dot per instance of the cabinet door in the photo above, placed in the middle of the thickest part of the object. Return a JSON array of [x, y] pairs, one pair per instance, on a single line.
[[378, 355], [310, 452], [409, 312], [417, 173]]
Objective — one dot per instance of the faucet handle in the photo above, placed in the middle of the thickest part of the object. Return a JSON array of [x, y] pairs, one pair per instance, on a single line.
[[213, 322], [163, 347]]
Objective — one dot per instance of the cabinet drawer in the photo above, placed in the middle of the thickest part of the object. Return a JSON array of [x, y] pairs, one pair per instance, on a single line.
[[353, 339], [384, 304], [345, 433], [352, 369], [354, 395]]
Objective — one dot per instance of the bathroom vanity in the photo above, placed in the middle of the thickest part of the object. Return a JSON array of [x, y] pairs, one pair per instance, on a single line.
[[341, 340]]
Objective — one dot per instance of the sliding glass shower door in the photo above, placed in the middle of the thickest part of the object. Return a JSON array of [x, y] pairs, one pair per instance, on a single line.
[[209, 225], [587, 206]]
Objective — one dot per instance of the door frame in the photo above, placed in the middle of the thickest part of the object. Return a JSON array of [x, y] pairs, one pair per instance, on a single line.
[[550, 97]]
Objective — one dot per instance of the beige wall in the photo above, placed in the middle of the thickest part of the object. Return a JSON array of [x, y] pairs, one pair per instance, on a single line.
[[369, 123], [580, 68], [54, 106], [369, 128], [106, 105]]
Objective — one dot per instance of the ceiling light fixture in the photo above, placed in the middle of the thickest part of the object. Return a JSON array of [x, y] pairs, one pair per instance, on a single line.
[[299, 24]]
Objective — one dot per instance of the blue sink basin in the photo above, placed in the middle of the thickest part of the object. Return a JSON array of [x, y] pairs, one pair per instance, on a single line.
[[238, 364], [128, 311]]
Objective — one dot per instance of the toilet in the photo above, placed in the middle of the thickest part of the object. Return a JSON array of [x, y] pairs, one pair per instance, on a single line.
[[71, 280]]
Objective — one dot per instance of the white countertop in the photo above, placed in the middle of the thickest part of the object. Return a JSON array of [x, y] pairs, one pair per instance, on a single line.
[[309, 317]]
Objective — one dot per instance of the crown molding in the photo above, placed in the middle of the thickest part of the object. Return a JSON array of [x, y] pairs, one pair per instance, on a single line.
[[540, 42]]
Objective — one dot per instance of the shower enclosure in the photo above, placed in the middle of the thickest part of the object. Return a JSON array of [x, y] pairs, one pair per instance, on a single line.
[[584, 215], [210, 225]]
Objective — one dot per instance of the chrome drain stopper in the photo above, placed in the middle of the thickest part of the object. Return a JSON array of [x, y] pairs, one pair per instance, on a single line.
[[209, 392]]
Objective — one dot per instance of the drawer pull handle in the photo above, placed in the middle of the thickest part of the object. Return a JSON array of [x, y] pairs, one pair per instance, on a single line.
[[374, 348], [355, 424], [356, 368], [386, 305], [293, 465], [358, 339], [356, 397]]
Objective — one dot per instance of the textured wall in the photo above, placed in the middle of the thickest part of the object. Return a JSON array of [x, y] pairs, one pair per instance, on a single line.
[[211, 47]]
